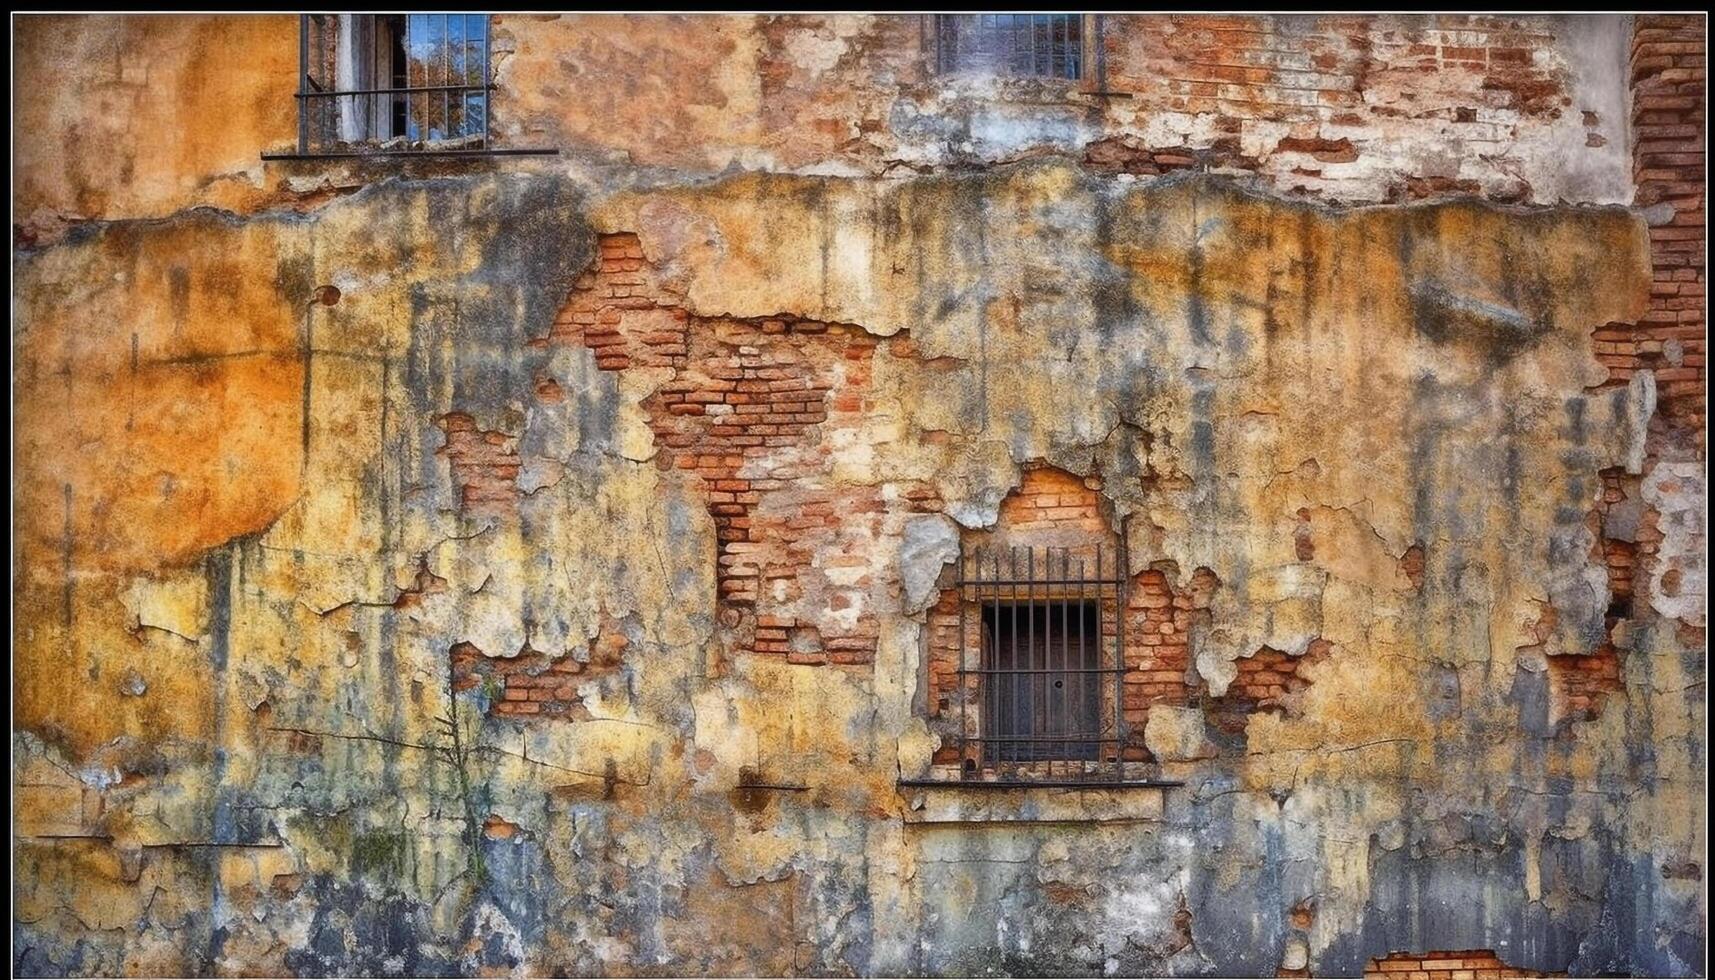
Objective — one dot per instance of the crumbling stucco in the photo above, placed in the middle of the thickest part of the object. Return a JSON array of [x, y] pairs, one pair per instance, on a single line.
[[1186, 342], [370, 618]]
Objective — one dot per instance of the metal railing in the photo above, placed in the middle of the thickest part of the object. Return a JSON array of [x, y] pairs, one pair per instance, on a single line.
[[393, 83], [1046, 684], [1041, 45]]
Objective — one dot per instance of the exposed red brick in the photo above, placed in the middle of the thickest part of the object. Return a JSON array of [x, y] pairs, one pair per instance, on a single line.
[[1579, 685], [1051, 498], [484, 465], [1267, 680], [1325, 150], [748, 409], [1317, 73], [1123, 155], [426, 583], [1411, 565], [1669, 125], [497, 827], [1303, 542], [1424, 188], [533, 684], [1470, 964]]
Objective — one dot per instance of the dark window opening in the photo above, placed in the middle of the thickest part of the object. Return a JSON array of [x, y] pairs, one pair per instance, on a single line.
[[1040, 672], [393, 82], [1043, 696], [1041, 45]]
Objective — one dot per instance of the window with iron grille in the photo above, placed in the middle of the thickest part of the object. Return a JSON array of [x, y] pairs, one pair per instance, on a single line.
[[1041, 693], [393, 82], [1040, 45], [1043, 680]]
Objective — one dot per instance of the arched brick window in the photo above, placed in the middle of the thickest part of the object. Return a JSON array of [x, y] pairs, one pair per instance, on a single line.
[[1027, 645]]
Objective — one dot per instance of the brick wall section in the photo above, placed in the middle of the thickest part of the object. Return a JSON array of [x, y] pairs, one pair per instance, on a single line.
[[484, 466], [1668, 79], [1268, 676], [1476, 964], [945, 643], [533, 684], [749, 409], [620, 313], [1243, 66], [1249, 67], [1331, 90], [1668, 152], [1053, 499], [1267, 680], [1126, 155], [1626, 533], [1579, 684], [1158, 650]]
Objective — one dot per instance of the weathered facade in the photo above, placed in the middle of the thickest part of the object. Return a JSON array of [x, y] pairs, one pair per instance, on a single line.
[[549, 563]]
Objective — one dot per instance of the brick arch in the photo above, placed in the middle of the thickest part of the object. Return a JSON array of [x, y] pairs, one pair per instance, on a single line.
[[1052, 506], [1050, 499]]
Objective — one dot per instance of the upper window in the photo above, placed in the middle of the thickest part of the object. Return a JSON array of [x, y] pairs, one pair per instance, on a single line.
[[1041, 45], [393, 82]]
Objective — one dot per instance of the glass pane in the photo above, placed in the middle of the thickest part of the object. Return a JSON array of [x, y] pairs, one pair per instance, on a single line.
[[1046, 45], [477, 107], [435, 64], [476, 35], [455, 75]]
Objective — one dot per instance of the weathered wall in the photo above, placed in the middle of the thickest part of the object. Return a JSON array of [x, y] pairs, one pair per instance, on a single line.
[[414, 582], [139, 117], [144, 116]]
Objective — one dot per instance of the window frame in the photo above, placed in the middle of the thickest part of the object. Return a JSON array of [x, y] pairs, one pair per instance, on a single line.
[[309, 91], [1028, 577], [941, 63], [371, 98], [1030, 707]]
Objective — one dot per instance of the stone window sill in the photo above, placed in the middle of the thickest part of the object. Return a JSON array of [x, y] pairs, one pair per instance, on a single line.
[[975, 801], [417, 154]]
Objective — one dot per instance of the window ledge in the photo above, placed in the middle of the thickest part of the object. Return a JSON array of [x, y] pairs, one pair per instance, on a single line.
[[1093, 785], [417, 154], [951, 801]]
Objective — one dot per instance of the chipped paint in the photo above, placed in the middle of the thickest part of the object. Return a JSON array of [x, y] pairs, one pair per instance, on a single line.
[[310, 504]]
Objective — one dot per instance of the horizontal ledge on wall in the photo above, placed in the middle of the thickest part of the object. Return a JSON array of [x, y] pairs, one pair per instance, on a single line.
[[1048, 801], [163, 844], [370, 154], [995, 784], [978, 823]]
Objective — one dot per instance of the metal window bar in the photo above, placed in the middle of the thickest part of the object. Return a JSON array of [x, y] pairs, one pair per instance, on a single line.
[[393, 83], [1050, 627], [1039, 45]]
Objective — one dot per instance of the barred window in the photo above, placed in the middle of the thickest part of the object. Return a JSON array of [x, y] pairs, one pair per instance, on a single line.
[[1040, 695], [393, 82], [1042, 45], [1042, 664]]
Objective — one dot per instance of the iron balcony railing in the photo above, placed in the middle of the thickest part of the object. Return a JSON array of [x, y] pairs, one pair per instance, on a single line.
[[393, 83]]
